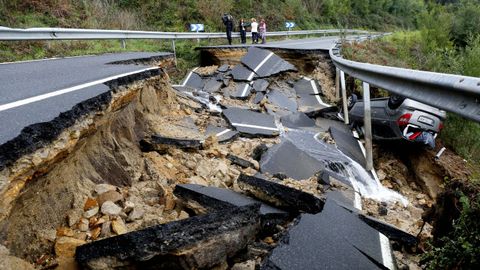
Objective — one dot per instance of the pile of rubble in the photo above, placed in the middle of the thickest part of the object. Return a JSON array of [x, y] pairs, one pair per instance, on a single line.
[[247, 179]]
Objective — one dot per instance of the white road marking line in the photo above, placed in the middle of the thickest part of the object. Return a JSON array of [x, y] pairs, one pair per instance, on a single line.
[[386, 252], [244, 92], [317, 94], [259, 66], [254, 126], [223, 132], [188, 77], [22, 102]]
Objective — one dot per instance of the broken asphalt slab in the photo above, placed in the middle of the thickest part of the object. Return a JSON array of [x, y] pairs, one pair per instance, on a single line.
[[297, 120], [223, 68], [212, 85], [281, 196], [349, 145], [198, 242], [242, 91], [194, 80], [242, 73], [240, 161], [260, 85], [281, 100], [161, 143], [332, 239], [265, 63], [223, 134], [215, 199], [309, 95], [251, 123]]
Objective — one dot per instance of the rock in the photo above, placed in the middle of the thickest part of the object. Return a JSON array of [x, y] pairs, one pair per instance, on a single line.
[[183, 215], [129, 206], [422, 202], [268, 240], [89, 204], [258, 151], [102, 188], [64, 231], [111, 209], [191, 165], [65, 246], [137, 213], [382, 210], [236, 148], [96, 233], [106, 232], [74, 216], [248, 265], [198, 180], [111, 195], [83, 225], [381, 175], [118, 226], [90, 213]]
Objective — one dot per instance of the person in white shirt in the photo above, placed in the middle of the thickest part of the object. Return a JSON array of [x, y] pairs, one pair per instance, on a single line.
[[254, 26]]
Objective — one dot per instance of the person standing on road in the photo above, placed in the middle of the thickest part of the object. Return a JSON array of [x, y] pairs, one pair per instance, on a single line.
[[228, 22], [254, 26], [243, 33], [263, 31]]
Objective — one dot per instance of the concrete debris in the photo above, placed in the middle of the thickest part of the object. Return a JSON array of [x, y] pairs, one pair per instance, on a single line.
[[337, 233], [265, 63], [283, 197], [197, 242], [250, 123]]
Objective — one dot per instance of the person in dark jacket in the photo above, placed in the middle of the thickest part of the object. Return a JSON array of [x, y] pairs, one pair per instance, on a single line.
[[228, 22], [242, 25]]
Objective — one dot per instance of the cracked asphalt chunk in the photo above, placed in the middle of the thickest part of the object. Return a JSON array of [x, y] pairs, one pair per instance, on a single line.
[[212, 85], [265, 63], [260, 85], [179, 243], [214, 199], [297, 120], [223, 68], [281, 100], [343, 240], [194, 80], [281, 196], [258, 97], [349, 145], [223, 134], [242, 91], [242, 73], [251, 123], [288, 159], [309, 95]]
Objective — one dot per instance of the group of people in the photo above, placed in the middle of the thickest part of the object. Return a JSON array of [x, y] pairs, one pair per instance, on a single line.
[[259, 30]]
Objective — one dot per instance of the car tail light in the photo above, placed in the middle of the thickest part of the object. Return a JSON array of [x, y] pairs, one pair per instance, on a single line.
[[404, 119], [440, 126]]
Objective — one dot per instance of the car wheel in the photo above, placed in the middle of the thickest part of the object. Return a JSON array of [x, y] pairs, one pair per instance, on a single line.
[[351, 101], [395, 101]]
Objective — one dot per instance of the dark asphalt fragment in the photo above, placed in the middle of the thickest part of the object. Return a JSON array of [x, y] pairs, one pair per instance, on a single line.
[[349, 145], [258, 97], [283, 197], [260, 85], [390, 231], [212, 85], [309, 95], [250, 123], [194, 80], [217, 199], [281, 100], [332, 239], [223, 68], [258, 151], [265, 63], [297, 120], [198, 242], [242, 73], [161, 144], [223, 134], [240, 161], [242, 91]]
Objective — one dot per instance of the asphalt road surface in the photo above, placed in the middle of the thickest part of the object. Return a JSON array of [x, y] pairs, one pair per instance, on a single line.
[[38, 91]]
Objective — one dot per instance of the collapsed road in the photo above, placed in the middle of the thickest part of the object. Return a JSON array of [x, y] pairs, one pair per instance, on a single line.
[[229, 169]]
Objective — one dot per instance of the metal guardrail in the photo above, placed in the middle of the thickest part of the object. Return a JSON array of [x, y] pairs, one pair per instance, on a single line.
[[453, 93], [15, 34]]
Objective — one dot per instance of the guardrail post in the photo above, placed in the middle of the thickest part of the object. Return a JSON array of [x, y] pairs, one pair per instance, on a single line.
[[367, 124], [124, 44], [337, 83], [174, 52], [344, 98]]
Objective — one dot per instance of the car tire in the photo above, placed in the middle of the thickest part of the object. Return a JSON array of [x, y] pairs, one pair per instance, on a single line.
[[351, 100], [395, 101]]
